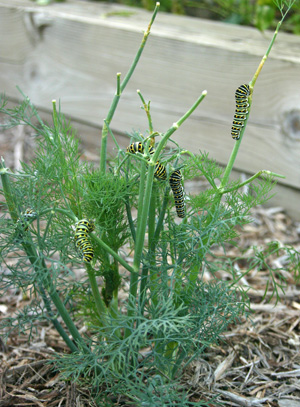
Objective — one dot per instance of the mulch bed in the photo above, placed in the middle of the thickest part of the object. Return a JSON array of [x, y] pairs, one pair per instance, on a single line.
[[256, 364]]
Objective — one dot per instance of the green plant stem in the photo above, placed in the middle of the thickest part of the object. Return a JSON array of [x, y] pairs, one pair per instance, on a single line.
[[42, 239], [143, 208], [151, 222], [130, 220], [151, 244], [67, 320], [112, 136], [141, 222], [174, 127], [141, 227], [258, 174], [235, 150], [120, 89], [54, 116], [231, 161], [55, 322], [153, 236], [65, 212], [107, 121], [40, 267], [112, 252], [142, 219], [264, 58], [114, 302], [162, 213], [100, 306], [117, 170], [147, 110], [9, 197], [144, 278]]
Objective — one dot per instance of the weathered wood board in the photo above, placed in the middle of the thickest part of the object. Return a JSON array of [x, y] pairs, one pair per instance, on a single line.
[[72, 51]]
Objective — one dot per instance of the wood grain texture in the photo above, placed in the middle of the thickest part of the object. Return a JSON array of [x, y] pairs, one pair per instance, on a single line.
[[72, 51]]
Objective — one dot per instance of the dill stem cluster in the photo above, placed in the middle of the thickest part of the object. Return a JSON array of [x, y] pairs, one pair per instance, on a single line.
[[139, 246]]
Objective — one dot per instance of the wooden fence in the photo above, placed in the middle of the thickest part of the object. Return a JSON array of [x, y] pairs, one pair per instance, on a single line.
[[71, 52]]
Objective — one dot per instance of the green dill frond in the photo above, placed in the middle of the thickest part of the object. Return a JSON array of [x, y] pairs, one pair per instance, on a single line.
[[201, 165], [104, 200]]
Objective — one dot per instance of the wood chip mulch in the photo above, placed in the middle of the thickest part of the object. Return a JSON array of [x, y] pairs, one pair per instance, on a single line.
[[28, 379]]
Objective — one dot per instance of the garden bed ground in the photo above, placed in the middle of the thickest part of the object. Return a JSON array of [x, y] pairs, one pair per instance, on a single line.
[[256, 364]]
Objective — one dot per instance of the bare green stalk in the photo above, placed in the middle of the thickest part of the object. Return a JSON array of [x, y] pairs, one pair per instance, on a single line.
[[151, 227], [152, 162], [264, 58], [55, 322], [55, 116], [151, 251], [236, 147], [139, 242], [115, 255], [67, 320], [143, 209], [120, 89], [146, 107], [112, 136], [100, 306], [174, 127], [9, 197], [160, 221], [130, 220], [249, 180]]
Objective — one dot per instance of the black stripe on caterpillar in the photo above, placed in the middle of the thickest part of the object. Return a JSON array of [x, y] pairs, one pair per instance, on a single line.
[[160, 170], [83, 227], [241, 105], [177, 189], [26, 217]]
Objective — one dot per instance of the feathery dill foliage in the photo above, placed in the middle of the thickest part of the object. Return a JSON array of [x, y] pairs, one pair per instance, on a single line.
[[61, 212], [105, 201]]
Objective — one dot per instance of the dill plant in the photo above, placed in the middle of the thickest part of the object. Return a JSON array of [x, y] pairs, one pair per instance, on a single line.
[[135, 348]]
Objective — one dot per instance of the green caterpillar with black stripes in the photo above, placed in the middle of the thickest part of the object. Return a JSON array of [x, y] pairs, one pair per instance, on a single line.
[[83, 227]]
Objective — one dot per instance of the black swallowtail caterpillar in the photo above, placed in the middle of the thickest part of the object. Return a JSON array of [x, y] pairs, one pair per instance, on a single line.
[[160, 170], [175, 184], [25, 217], [241, 105], [23, 223], [84, 227], [138, 147]]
